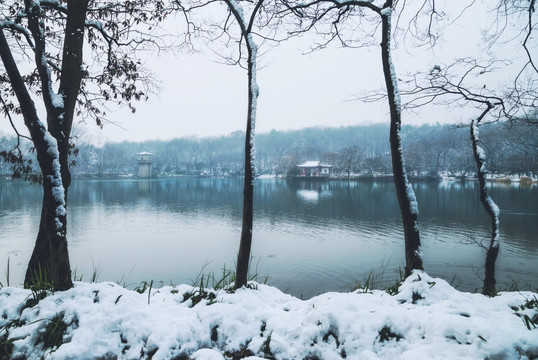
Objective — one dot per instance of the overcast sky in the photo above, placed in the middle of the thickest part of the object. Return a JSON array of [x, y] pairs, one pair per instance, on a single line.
[[202, 97], [205, 98]]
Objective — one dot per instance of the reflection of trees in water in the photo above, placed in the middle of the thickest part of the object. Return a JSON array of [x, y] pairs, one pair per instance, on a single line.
[[19, 194], [159, 192], [448, 201], [314, 184], [443, 203]]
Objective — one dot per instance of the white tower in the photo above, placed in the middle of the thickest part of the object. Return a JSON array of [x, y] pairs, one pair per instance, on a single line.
[[145, 159]]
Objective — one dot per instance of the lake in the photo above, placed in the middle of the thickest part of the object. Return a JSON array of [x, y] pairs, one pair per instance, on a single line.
[[309, 236]]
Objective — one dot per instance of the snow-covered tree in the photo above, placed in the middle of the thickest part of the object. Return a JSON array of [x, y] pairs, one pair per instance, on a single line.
[[312, 13], [492, 250], [461, 84], [245, 23], [42, 45]]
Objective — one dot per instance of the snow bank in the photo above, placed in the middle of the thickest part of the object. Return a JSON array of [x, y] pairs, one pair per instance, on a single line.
[[266, 176], [427, 319]]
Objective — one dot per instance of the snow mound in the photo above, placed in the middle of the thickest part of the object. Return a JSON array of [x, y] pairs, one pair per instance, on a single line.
[[427, 319]]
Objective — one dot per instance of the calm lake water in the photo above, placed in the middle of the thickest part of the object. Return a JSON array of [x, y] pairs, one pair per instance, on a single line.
[[309, 237]]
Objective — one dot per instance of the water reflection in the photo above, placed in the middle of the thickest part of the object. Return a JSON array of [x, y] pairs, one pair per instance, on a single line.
[[309, 196], [143, 187], [308, 236]]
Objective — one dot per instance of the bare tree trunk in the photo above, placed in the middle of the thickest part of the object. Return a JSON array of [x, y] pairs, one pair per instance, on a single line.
[[70, 80], [50, 261], [49, 264], [404, 190], [243, 256], [491, 208]]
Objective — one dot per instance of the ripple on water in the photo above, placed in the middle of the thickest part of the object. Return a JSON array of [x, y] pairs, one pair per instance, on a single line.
[[306, 243]]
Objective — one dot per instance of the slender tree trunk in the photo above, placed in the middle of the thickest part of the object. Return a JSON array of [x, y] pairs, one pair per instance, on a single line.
[[243, 257], [491, 208], [404, 190], [245, 244]]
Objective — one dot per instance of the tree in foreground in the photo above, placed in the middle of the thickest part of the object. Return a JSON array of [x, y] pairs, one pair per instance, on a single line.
[[492, 250], [461, 84], [244, 21], [50, 259], [48, 37], [245, 24], [339, 12]]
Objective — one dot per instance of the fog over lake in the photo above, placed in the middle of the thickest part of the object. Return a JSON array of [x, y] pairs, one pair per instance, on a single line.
[[309, 236]]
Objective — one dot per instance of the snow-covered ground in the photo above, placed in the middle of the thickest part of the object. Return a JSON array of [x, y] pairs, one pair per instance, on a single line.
[[426, 319]]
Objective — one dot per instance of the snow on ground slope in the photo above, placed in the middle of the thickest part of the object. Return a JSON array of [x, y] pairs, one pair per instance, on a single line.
[[427, 319]]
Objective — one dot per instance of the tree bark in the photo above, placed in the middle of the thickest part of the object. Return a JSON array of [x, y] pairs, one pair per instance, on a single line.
[[49, 264], [70, 80], [404, 190], [243, 257], [489, 205]]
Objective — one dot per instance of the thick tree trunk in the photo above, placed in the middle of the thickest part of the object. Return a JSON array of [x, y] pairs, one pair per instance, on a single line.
[[50, 258], [49, 265], [404, 190], [491, 208], [243, 257]]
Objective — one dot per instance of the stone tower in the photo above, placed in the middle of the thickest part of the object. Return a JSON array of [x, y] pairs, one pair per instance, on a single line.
[[145, 160]]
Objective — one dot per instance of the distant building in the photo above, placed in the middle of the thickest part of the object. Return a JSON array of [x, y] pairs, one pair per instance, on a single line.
[[314, 169], [145, 160]]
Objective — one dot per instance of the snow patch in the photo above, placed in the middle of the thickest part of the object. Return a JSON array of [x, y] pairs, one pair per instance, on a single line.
[[58, 191], [418, 252], [495, 241], [235, 5], [386, 11], [57, 101], [254, 90], [413, 204], [207, 354], [427, 317], [267, 176]]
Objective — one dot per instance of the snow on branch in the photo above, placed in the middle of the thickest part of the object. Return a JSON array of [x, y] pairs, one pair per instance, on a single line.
[[14, 26], [37, 28], [480, 157]]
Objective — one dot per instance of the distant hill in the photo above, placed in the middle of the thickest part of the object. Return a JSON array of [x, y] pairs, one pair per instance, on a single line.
[[429, 150]]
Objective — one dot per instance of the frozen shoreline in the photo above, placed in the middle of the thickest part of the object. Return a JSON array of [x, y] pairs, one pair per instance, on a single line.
[[426, 319]]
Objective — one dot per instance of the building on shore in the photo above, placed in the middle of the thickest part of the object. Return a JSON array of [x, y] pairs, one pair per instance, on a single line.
[[145, 162], [314, 169]]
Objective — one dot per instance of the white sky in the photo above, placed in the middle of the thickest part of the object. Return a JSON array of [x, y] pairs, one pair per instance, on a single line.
[[202, 97]]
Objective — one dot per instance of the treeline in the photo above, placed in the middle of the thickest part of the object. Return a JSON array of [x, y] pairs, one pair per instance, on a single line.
[[430, 150]]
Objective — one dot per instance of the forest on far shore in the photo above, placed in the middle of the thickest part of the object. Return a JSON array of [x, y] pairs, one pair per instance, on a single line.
[[430, 150]]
